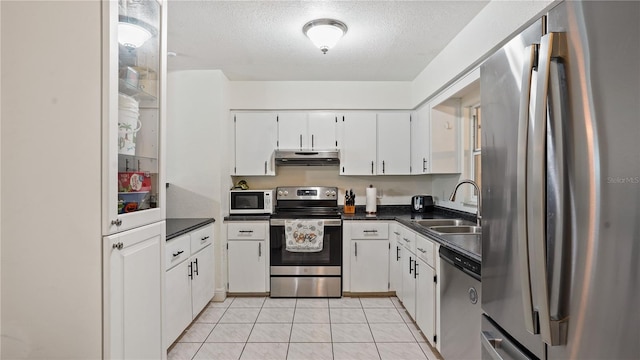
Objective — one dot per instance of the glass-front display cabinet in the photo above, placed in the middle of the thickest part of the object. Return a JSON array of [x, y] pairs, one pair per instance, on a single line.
[[134, 74]]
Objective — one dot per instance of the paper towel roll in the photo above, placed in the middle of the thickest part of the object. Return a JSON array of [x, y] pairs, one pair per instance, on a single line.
[[371, 195]]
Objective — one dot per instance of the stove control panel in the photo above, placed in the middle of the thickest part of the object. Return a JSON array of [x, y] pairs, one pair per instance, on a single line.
[[306, 193]]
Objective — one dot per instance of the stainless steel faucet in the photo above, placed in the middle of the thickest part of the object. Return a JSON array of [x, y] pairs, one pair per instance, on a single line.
[[478, 205]]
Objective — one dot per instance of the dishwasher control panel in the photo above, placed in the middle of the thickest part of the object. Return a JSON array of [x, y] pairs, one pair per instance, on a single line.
[[460, 261]]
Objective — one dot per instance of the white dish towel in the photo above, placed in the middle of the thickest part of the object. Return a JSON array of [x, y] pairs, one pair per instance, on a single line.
[[304, 235]]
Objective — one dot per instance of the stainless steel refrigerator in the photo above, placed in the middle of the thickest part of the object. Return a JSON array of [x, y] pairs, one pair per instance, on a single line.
[[561, 187]]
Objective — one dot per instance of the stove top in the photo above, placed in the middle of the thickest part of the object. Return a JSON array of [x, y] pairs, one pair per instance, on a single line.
[[306, 202]]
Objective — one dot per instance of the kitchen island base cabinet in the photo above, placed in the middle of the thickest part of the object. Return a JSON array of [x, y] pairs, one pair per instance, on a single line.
[[190, 279], [247, 257], [134, 290]]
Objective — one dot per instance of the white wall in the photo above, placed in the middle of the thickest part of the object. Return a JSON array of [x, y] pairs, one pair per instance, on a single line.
[[51, 180], [332, 95], [484, 34], [198, 151]]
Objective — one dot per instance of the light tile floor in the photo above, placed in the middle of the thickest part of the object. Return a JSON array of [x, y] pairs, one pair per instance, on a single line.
[[265, 328]]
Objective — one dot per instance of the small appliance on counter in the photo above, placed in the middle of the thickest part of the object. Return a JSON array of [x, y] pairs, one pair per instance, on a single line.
[[421, 203]]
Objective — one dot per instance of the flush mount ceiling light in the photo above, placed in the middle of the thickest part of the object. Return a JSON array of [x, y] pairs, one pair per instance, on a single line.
[[132, 33], [324, 33]]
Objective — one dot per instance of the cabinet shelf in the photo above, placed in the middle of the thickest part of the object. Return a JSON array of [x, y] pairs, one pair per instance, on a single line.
[[136, 92]]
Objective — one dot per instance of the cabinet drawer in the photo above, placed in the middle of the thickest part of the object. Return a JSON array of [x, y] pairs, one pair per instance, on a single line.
[[246, 230], [369, 230], [425, 250], [201, 237], [408, 239], [177, 250]]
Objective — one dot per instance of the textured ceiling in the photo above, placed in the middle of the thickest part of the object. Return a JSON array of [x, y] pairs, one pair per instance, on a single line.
[[263, 40]]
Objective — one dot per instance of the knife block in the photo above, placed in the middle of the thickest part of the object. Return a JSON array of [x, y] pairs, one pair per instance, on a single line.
[[349, 209]]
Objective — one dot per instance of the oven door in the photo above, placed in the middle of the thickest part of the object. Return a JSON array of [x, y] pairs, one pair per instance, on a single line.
[[306, 274], [284, 262]]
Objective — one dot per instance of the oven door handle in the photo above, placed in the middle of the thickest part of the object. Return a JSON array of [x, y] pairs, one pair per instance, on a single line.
[[332, 222]]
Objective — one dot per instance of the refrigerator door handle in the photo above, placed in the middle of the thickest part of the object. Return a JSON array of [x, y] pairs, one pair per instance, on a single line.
[[552, 326], [521, 185]]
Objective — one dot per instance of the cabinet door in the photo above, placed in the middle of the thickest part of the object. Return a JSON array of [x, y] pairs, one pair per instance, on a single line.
[[292, 131], [255, 139], [409, 283], [178, 314], [395, 263], [247, 266], [420, 141], [358, 144], [426, 300], [394, 144], [322, 131], [133, 103], [369, 272], [203, 283], [134, 291], [445, 144]]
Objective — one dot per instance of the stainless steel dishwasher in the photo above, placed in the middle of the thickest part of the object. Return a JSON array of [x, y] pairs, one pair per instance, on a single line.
[[460, 307]]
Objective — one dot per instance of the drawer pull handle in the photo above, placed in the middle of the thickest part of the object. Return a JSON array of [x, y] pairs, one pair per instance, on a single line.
[[422, 250], [178, 253], [405, 239], [369, 231], [204, 238], [397, 233], [245, 231]]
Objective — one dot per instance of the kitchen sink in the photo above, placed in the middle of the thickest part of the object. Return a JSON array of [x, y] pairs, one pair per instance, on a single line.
[[461, 229], [442, 222]]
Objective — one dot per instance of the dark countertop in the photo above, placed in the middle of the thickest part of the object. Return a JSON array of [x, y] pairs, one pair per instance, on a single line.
[[468, 244], [177, 227]]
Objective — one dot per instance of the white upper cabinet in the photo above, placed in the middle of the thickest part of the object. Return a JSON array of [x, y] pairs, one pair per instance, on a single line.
[[322, 131], [445, 138], [420, 141], [358, 143], [133, 112], [307, 131], [256, 135], [394, 148], [292, 131]]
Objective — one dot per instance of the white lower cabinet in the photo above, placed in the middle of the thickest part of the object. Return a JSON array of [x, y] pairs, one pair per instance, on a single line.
[[426, 286], [408, 297], [134, 286], [413, 275], [189, 279], [395, 259], [369, 272], [247, 254], [368, 256]]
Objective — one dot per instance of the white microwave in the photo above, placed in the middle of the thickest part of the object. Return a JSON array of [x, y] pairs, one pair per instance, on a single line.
[[251, 202]]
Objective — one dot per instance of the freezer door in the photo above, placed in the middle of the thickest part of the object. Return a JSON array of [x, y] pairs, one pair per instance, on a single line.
[[601, 142], [503, 271]]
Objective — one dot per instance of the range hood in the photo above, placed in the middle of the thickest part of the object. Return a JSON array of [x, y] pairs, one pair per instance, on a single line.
[[307, 157]]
